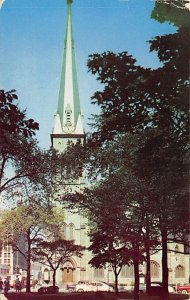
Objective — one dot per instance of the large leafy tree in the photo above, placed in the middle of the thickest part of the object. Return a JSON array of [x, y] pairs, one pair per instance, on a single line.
[[122, 101], [119, 205], [108, 251], [28, 225], [54, 252], [173, 52], [16, 140], [13, 119]]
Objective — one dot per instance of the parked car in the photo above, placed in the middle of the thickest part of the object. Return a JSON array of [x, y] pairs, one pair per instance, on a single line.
[[183, 289], [93, 287], [170, 288], [71, 287], [48, 289], [103, 286], [142, 287], [123, 288]]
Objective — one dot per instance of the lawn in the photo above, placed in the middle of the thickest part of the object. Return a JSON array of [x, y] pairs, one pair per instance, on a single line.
[[61, 296], [88, 296]]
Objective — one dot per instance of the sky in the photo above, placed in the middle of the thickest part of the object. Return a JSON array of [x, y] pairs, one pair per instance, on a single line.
[[32, 34]]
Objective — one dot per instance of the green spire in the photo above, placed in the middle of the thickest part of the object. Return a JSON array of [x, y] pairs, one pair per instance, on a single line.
[[68, 110]]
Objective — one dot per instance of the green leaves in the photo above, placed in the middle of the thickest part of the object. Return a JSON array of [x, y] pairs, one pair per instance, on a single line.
[[55, 252], [172, 11], [123, 80], [32, 223], [12, 119], [16, 134]]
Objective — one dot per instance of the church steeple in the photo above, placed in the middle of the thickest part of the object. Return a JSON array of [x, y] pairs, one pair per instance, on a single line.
[[68, 118]]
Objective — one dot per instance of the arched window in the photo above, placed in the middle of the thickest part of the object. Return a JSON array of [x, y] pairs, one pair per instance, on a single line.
[[99, 273], [71, 231], [127, 271], [154, 269], [130, 271], [123, 271], [46, 275], [65, 231], [179, 272]]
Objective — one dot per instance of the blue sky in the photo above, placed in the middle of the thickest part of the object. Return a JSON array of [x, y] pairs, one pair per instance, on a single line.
[[32, 34]]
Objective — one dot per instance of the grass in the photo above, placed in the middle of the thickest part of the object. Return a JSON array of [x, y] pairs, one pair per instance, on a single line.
[[88, 296], [61, 296]]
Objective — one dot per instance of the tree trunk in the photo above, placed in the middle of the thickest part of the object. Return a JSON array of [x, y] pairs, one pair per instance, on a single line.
[[136, 273], [116, 280], [28, 262], [165, 262], [147, 245], [54, 277]]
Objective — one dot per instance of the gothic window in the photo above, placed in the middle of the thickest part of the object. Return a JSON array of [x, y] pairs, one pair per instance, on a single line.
[[154, 269], [65, 231], [71, 231], [130, 271], [83, 274], [179, 272], [127, 271], [46, 275], [124, 271], [99, 273]]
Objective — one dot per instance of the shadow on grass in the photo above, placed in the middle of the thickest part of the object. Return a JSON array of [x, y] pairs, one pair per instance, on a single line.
[[61, 296], [89, 296]]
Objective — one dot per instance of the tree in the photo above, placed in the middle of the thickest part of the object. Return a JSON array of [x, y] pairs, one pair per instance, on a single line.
[[53, 253], [108, 251], [12, 119], [30, 224], [119, 206], [16, 139], [173, 52], [123, 101], [116, 217]]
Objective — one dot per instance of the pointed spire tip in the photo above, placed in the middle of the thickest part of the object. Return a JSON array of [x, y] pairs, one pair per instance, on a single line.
[[69, 1]]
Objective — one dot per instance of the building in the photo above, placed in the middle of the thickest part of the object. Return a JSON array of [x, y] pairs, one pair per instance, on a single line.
[[11, 262], [68, 126]]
